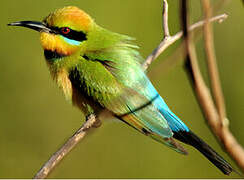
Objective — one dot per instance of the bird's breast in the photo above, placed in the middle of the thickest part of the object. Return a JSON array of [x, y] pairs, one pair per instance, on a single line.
[[62, 79]]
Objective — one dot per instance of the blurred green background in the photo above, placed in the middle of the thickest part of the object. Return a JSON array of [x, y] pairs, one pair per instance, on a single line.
[[36, 120]]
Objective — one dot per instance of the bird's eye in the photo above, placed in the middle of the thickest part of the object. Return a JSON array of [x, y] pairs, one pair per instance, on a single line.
[[65, 30]]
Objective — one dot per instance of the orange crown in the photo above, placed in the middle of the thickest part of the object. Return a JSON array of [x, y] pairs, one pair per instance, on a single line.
[[70, 16]]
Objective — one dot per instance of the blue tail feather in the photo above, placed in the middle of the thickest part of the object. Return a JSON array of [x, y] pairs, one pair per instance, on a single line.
[[174, 122]]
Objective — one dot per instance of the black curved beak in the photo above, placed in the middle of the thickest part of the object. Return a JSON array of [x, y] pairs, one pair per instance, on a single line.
[[38, 26]]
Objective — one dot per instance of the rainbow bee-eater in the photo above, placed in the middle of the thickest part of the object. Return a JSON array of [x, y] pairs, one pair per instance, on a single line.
[[99, 70]]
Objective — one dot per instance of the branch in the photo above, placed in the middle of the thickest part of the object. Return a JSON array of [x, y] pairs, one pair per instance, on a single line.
[[205, 100], [225, 136], [212, 64], [92, 121], [168, 40]]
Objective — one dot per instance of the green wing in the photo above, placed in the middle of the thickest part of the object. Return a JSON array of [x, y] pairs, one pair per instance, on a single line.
[[96, 79]]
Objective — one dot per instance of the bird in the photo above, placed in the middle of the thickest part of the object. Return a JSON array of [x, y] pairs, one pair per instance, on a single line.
[[100, 70]]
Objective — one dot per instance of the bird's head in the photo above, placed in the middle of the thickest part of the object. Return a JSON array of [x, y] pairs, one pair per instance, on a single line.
[[63, 32]]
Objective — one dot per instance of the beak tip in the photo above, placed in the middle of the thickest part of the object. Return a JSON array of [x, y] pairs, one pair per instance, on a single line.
[[13, 24]]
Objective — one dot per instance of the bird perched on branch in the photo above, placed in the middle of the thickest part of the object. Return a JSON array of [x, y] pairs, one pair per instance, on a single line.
[[98, 69]]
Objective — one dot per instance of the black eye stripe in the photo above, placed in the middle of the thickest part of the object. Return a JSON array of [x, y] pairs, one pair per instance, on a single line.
[[74, 35]]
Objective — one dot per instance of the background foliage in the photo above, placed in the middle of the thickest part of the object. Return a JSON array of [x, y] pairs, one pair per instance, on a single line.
[[35, 119]]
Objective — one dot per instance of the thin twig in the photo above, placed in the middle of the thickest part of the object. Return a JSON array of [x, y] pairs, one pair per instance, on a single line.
[[165, 19], [175, 58], [166, 42], [225, 136], [66, 148]]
